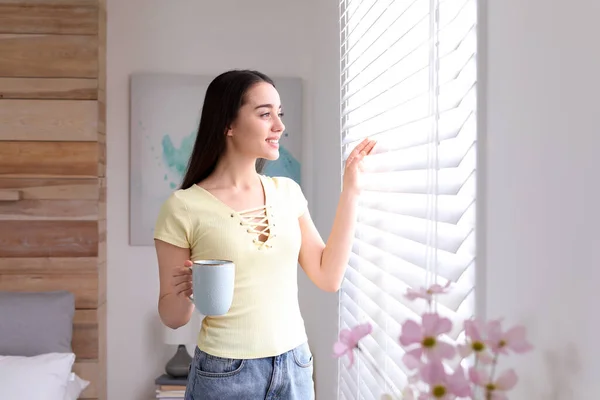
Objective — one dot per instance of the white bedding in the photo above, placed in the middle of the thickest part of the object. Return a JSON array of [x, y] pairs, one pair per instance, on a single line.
[[42, 377]]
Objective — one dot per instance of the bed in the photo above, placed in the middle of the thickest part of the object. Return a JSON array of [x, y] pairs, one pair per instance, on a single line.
[[37, 358]]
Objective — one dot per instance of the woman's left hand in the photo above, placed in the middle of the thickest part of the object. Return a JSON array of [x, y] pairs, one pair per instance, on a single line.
[[354, 166]]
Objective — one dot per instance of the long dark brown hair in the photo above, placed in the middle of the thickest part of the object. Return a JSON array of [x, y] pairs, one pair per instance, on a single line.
[[224, 97]]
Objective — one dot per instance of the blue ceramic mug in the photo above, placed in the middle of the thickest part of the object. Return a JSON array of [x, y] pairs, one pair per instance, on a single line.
[[212, 285]]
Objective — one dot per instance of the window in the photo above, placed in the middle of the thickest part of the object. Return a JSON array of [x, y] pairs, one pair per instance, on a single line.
[[408, 80]]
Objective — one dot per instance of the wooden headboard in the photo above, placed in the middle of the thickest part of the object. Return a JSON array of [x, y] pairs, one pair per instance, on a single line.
[[53, 163]]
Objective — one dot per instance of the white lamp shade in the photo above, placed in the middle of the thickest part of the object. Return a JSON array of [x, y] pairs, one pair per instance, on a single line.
[[187, 334]]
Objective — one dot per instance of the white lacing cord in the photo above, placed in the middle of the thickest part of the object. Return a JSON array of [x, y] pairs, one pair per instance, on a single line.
[[258, 222]]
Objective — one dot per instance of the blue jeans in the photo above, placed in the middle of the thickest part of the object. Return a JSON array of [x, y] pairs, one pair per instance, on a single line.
[[287, 376]]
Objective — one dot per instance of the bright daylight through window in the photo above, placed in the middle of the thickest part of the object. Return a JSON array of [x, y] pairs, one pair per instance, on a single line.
[[408, 80]]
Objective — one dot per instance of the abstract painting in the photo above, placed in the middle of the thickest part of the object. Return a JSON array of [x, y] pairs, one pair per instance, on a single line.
[[164, 115]]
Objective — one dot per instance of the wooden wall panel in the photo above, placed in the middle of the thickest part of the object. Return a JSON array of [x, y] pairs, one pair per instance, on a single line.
[[101, 170], [9, 195], [102, 199], [54, 189], [52, 56], [85, 334], [58, 17], [49, 239], [42, 120], [49, 159], [49, 210], [53, 163], [49, 88], [88, 370], [76, 274]]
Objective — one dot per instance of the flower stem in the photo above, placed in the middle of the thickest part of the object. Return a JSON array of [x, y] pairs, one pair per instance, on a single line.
[[488, 392], [494, 363]]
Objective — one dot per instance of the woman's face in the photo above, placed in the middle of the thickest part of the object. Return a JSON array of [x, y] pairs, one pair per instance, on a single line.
[[256, 131]]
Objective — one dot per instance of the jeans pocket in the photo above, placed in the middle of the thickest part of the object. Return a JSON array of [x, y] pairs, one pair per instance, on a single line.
[[303, 356], [217, 367]]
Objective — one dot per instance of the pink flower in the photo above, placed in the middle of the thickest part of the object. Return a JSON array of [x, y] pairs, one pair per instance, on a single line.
[[513, 339], [444, 386], [426, 336], [474, 331], [427, 294], [494, 389], [348, 341]]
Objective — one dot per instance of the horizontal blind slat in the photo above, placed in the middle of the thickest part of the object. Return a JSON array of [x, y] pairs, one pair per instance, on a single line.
[[450, 236], [450, 120], [450, 265], [384, 46], [450, 208], [394, 278]]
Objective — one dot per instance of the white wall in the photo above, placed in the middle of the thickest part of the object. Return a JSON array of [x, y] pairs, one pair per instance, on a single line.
[[193, 37], [540, 142], [326, 153]]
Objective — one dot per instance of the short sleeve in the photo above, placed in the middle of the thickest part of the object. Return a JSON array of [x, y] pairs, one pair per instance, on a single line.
[[298, 199], [173, 223]]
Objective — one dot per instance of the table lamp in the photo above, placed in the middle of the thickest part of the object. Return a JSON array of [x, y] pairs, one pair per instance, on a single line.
[[178, 365]]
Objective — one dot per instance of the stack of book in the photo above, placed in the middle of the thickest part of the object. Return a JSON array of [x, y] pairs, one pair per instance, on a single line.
[[169, 387]]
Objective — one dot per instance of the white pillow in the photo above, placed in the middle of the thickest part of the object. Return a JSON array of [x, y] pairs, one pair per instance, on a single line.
[[42, 377], [75, 386]]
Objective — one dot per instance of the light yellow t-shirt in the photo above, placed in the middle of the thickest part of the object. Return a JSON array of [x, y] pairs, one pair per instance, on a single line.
[[264, 319]]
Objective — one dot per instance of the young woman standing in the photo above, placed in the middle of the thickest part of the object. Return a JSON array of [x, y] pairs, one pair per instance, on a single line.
[[225, 209]]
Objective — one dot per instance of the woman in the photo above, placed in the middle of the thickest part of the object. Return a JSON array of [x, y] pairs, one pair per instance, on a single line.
[[226, 210]]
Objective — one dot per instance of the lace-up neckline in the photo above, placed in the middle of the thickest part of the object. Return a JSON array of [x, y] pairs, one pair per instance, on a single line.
[[257, 221]]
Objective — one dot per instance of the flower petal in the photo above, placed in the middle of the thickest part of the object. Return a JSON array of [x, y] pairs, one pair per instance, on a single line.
[[436, 288], [408, 393], [346, 337], [339, 349], [412, 294], [350, 359], [517, 341], [458, 383], [507, 380], [478, 377], [412, 359], [433, 373], [444, 326], [434, 325], [442, 350], [494, 330], [498, 396], [473, 330], [430, 321], [411, 333], [362, 330]]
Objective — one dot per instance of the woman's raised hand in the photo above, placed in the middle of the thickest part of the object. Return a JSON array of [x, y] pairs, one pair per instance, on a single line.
[[354, 166]]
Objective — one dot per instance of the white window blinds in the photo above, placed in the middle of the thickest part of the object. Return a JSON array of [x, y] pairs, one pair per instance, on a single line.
[[408, 80]]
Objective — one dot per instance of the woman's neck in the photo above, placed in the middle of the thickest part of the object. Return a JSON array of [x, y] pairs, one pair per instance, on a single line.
[[238, 173]]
